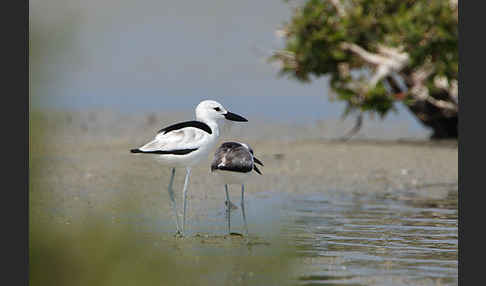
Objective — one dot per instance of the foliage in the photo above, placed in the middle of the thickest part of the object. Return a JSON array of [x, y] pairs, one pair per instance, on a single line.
[[427, 31]]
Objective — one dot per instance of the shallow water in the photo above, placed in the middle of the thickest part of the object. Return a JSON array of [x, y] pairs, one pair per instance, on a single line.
[[396, 238], [376, 239], [360, 213]]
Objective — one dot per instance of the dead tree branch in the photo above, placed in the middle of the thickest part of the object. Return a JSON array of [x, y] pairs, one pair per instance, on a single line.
[[339, 7], [387, 61]]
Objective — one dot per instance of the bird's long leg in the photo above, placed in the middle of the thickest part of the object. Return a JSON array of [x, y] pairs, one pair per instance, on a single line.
[[172, 199], [184, 194], [243, 208], [228, 208]]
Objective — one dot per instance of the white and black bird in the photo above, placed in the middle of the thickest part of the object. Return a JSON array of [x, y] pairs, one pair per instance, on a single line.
[[185, 144], [234, 163]]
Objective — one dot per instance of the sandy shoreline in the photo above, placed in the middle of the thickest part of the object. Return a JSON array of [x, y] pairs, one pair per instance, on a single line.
[[81, 168], [84, 161]]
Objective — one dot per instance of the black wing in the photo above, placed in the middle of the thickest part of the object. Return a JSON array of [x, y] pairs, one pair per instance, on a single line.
[[180, 125], [232, 156]]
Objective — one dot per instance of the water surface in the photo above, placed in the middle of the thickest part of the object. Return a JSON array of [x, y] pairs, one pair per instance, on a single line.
[[376, 239]]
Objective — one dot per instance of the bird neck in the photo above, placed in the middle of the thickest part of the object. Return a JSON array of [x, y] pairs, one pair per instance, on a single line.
[[213, 125]]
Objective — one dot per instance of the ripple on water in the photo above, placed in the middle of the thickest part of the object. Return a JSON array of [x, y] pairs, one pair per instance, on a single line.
[[356, 240]]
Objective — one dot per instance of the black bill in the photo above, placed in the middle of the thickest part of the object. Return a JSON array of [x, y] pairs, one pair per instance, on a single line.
[[234, 117]]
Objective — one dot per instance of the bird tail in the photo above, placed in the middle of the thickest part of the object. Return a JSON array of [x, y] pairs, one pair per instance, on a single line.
[[136, 151], [256, 169], [257, 161]]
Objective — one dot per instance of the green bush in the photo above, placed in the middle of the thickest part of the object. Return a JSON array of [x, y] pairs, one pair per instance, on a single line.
[[338, 38]]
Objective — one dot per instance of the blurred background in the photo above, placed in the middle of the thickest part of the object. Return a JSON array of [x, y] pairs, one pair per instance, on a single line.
[[165, 56], [378, 209]]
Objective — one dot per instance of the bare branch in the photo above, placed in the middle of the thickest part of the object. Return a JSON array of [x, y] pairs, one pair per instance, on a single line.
[[389, 60], [442, 104], [339, 7], [421, 92], [453, 91], [373, 59], [394, 53], [441, 82], [454, 4], [451, 87], [357, 126], [420, 74]]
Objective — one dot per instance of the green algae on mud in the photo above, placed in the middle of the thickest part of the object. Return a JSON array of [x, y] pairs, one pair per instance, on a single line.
[[96, 253], [101, 216]]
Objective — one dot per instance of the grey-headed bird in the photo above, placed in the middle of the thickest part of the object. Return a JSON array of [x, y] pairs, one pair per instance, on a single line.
[[234, 163]]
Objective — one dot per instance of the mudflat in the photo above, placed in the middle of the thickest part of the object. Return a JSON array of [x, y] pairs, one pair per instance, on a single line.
[[80, 164], [79, 155]]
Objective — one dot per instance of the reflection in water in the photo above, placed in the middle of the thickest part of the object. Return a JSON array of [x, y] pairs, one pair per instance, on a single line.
[[389, 239]]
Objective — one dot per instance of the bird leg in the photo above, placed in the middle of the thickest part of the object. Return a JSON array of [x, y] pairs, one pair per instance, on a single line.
[[243, 208], [172, 199], [228, 208], [184, 194]]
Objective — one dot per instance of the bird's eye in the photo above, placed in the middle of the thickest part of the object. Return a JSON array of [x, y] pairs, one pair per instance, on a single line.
[[217, 109]]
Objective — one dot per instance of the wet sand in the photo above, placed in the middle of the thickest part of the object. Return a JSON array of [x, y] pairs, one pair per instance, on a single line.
[[84, 155], [80, 165]]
